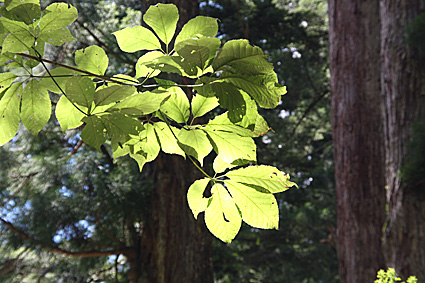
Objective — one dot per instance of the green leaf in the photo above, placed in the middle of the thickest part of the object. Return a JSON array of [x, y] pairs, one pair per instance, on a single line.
[[9, 113], [222, 216], [36, 51], [198, 52], [258, 209], [195, 196], [267, 177], [93, 59], [19, 39], [6, 79], [167, 139], [177, 106], [67, 115], [151, 146], [120, 127], [202, 105], [223, 123], [162, 18], [60, 76], [57, 37], [26, 12], [136, 38], [57, 16], [94, 132], [141, 103], [36, 106], [195, 143], [241, 57], [220, 166], [231, 147], [80, 90], [11, 4], [264, 89], [142, 70], [113, 94], [197, 27]]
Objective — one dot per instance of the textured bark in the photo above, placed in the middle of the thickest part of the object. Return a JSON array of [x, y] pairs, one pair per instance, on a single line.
[[357, 123], [403, 85], [173, 246]]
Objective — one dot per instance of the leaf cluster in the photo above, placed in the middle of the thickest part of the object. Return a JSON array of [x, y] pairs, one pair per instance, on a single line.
[[140, 119]]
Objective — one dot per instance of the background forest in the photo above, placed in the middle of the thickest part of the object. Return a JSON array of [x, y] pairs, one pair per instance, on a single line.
[[71, 214]]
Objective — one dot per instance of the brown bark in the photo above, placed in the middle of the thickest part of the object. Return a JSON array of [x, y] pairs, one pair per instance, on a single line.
[[173, 246], [403, 85], [354, 36]]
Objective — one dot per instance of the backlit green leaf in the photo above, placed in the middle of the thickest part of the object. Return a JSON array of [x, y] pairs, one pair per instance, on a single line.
[[202, 105], [231, 147], [6, 79], [222, 216], [94, 133], [113, 94], [67, 115], [60, 76], [220, 166], [57, 16], [80, 90], [177, 106], [267, 177], [26, 12], [142, 70], [195, 143], [197, 27], [162, 18], [198, 52], [258, 209], [195, 196], [141, 103], [137, 38], [167, 139], [92, 59], [11, 4], [36, 106], [120, 127], [9, 113], [241, 57], [57, 37]]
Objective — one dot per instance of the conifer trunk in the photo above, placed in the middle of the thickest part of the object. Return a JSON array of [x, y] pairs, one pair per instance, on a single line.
[[357, 124], [403, 85]]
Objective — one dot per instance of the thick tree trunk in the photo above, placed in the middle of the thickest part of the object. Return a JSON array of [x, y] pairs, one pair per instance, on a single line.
[[357, 122], [403, 85], [173, 246]]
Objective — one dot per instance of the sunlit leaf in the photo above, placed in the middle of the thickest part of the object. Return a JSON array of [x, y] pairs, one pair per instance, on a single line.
[[141, 103], [27, 12], [92, 59], [196, 27], [142, 70], [94, 132], [222, 216], [195, 143], [113, 94], [136, 38], [6, 79], [167, 139], [57, 37], [9, 113], [60, 76], [202, 105], [177, 106], [195, 196], [80, 90], [162, 18], [57, 16], [67, 115], [258, 209], [198, 52], [36, 106], [267, 177]]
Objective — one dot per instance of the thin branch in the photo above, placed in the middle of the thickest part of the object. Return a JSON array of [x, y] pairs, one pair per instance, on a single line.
[[83, 254]]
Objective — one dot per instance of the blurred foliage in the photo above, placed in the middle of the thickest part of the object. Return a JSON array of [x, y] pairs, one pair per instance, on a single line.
[[416, 34]]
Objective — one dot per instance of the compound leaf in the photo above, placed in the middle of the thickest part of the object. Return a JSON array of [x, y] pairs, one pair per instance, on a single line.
[[6, 79], [197, 27], [195, 143], [80, 90], [177, 106], [113, 94], [67, 115], [94, 132], [202, 105], [57, 16], [142, 70], [167, 139]]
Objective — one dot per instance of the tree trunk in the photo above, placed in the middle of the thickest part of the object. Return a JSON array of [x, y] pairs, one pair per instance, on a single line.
[[357, 123], [403, 85]]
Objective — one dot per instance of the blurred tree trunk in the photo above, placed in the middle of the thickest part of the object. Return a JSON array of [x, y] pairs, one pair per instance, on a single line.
[[403, 85], [173, 246], [357, 124]]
